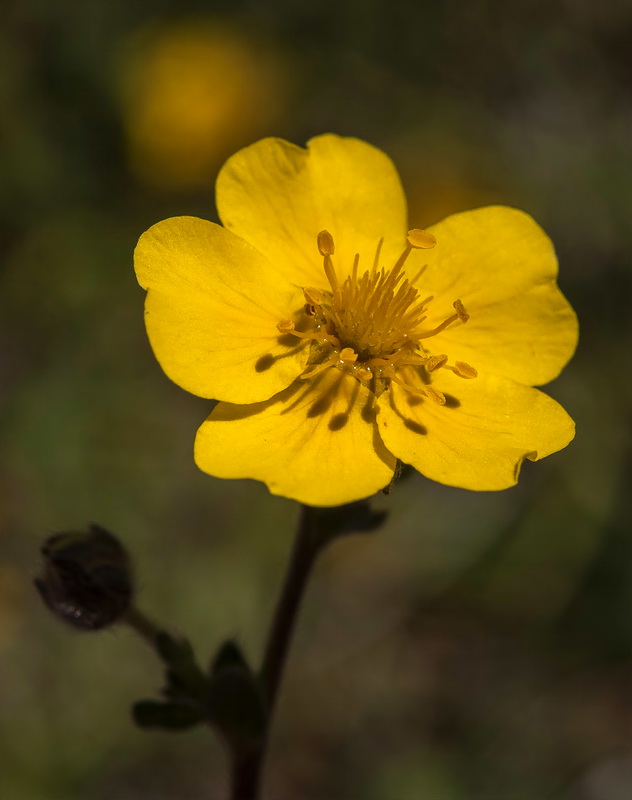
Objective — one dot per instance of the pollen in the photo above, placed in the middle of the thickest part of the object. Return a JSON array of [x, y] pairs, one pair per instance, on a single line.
[[371, 323]]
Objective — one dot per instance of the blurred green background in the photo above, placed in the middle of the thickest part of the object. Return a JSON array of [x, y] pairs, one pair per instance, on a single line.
[[479, 646]]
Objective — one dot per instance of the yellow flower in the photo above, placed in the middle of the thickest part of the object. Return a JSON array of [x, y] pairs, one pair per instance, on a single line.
[[191, 88], [338, 344]]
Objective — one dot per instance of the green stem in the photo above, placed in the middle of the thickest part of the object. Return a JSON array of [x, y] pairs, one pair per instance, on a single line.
[[247, 771]]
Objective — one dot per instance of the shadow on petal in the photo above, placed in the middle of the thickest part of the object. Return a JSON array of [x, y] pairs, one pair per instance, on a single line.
[[411, 424], [415, 427], [451, 401], [321, 405], [338, 421], [264, 363]]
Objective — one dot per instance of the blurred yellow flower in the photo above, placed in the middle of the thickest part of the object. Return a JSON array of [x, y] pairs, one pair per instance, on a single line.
[[190, 91], [337, 343]]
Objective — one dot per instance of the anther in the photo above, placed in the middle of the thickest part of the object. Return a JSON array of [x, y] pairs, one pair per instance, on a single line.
[[348, 355], [285, 326], [460, 311], [464, 370], [435, 395], [434, 362], [421, 240], [314, 297], [325, 243]]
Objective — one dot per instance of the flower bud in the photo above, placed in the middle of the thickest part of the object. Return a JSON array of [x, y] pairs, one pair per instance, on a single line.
[[87, 578]]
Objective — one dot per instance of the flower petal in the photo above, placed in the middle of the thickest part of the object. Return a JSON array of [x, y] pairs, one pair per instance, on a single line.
[[503, 268], [315, 442], [278, 197], [211, 312], [480, 437]]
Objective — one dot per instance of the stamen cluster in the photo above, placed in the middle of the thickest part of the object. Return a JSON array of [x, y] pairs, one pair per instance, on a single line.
[[371, 325]]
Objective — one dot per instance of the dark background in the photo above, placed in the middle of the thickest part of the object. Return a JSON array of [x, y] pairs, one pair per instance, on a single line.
[[479, 646]]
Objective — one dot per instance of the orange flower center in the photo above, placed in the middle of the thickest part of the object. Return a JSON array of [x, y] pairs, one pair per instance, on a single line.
[[371, 325]]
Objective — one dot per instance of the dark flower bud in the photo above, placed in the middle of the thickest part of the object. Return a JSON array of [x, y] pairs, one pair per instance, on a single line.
[[87, 578]]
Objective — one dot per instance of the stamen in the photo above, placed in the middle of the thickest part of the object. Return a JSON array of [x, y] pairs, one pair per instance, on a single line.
[[318, 368], [434, 362], [313, 296], [460, 311], [436, 395], [401, 260], [421, 240], [464, 370], [348, 355], [408, 386], [325, 243], [378, 250], [354, 271], [330, 272], [428, 391], [369, 324], [439, 328], [403, 359], [285, 326], [307, 335], [318, 335], [418, 275], [461, 314]]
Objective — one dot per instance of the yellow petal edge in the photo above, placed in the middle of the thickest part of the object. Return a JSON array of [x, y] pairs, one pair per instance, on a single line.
[[503, 267], [212, 308], [313, 444], [278, 196], [479, 439]]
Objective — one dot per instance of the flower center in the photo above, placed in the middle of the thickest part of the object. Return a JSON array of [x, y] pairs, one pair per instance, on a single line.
[[371, 325]]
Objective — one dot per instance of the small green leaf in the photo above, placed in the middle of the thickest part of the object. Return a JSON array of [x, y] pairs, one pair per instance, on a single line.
[[228, 655]]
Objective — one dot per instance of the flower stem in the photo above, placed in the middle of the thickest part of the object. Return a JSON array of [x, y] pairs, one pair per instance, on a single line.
[[306, 547], [247, 770], [143, 626]]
